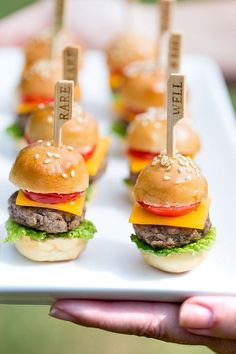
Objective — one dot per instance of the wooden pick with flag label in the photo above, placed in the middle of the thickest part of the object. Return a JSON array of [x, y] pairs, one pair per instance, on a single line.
[[176, 100], [166, 7], [71, 63], [64, 93], [174, 53], [59, 15]]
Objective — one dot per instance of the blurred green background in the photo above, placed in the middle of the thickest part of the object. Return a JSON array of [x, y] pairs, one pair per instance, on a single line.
[[28, 329]]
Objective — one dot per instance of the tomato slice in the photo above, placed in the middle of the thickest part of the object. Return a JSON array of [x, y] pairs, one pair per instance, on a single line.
[[52, 198], [173, 211], [36, 99], [145, 155], [88, 154]]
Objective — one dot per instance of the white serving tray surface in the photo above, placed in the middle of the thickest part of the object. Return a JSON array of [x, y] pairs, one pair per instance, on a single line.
[[111, 267]]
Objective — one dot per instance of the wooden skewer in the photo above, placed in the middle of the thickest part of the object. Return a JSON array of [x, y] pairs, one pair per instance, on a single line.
[[166, 7], [71, 63], [174, 53], [60, 6], [59, 18], [64, 94], [165, 14], [176, 101]]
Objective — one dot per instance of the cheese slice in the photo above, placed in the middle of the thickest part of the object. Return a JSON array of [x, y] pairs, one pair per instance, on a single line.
[[24, 108], [136, 165], [94, 162], [74, 207], [196, 219]]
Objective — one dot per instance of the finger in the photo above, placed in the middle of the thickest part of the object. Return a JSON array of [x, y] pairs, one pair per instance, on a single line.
[[24, 24], [155, 320], [210, 316]]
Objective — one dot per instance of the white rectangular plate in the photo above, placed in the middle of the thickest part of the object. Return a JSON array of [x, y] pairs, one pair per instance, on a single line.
[[111, 267]]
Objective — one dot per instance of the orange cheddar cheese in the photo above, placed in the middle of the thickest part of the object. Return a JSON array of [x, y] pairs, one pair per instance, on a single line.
[[74, 207], [24, 108], [136, 165], [94, 162], [196, 219]]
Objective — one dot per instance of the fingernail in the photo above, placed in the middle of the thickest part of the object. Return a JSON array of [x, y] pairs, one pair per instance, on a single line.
[[195, 316], [54, 312]]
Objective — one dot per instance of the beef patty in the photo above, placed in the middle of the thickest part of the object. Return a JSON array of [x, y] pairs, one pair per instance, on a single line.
[[101, 171], [133, 177], [22, 120], [159, 237], [43, 219]]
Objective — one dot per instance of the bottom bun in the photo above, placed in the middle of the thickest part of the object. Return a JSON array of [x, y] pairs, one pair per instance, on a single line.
[[176, 262], [51, 249]]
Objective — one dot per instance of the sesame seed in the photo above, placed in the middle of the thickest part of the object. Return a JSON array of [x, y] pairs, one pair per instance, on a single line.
[[181, 162], [180, 169], [47, 161], [39, 141], [48, 143], [50, 154], [72, 173], [36, 156], [166, 178], [70, 148], [168, 168], [189, 170], [64, 175], [57, 156], [188, 178]]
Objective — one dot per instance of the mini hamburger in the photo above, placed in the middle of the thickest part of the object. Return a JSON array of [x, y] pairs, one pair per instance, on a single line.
[[40, 47], [35, 91], [146, 138], [143, 87], [125, 49], [170, 216], [47, 214], [81, 132]]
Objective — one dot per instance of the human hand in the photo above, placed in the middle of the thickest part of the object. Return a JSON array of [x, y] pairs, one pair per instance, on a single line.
[[208, 321]]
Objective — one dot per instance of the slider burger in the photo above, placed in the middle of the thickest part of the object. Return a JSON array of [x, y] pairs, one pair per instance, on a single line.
[[40, 47], [35, 91], [146, 138], [170, 216], [47, 214], [124, 50], [81, 132], [143, 87]]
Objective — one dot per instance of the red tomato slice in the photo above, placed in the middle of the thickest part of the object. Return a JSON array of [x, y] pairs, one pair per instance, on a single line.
[[145, 155], [88, 154], [52, 198], [170, 210], [36, 99]]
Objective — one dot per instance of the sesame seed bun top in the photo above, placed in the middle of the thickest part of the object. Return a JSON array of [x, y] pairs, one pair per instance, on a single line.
[[128, 48], [175, 181], [44, 168], [147, 132], [80, 132]]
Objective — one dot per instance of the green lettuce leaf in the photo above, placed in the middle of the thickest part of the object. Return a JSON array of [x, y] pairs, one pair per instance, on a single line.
[[89, 193], [15, 131], [119, 129], [204, 243], [15, 232], [128, 182]]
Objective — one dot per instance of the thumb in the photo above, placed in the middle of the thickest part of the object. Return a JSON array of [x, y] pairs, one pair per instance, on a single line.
[[210, 316]]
